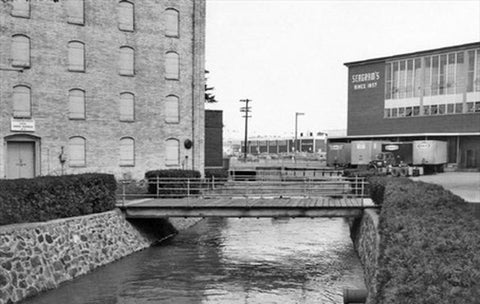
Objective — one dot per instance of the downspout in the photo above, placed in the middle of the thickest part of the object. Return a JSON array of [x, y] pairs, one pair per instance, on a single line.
[[193, 85]]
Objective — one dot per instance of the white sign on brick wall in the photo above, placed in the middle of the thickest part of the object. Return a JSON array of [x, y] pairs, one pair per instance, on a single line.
[[23, 125]]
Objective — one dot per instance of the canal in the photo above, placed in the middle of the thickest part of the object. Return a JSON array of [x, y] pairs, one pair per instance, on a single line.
[[228, 261]]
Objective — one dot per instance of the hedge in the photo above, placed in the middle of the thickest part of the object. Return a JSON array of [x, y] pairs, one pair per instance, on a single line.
[[430, 245], [52, 197], [217, 173], [173, 183]]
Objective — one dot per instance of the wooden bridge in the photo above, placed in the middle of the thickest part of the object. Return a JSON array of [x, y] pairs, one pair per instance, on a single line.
[[247, 207]]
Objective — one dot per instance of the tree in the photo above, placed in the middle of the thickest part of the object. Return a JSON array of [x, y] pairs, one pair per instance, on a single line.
[[209, 97]]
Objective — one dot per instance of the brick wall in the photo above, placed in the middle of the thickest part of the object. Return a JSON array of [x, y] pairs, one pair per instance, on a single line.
[[50, 81]]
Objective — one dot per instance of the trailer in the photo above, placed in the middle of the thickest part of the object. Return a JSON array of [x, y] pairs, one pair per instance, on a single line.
[[364, 151], [411, 158], [338, 154]]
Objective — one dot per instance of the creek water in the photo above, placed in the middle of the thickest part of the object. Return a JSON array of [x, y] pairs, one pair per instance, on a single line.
[[228, 261]]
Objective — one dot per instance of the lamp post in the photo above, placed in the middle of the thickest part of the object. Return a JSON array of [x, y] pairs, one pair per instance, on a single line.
[[296, 124], [246, 110]]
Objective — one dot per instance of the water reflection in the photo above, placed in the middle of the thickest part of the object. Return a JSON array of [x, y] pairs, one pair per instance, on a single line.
[[228, 261]]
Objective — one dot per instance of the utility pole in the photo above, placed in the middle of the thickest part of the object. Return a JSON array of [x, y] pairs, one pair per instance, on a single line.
[[296, 123], [246, 109]]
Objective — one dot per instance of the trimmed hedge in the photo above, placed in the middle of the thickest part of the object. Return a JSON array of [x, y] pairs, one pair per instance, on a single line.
[[52, 197], [430, 245], [174, 184], [217, 173]]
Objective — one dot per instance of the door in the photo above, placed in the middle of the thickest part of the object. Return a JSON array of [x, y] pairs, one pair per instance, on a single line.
[[20, 159], [470, 159]]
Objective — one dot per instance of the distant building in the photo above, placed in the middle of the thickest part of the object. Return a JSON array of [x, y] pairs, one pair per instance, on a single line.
[[433, 94], [107, 86], [213, 139], [309, 142]]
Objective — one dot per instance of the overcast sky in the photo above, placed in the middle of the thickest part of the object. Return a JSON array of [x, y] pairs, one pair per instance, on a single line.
[[288, 55]]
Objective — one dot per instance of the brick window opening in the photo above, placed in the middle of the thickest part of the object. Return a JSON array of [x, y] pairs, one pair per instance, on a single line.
[[22, 105], [20, 51]]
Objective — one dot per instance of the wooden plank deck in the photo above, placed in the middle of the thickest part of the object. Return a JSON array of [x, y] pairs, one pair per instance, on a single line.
[[248, 207]]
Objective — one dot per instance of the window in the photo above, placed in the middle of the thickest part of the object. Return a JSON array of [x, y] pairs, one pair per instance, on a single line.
[[426, 110], [434, 110], [394, 112], [20, 51], [171, 109], [450, 108], [172, 153], [171, 22], [127, 107], [470, 107], [458, 108], [441, 109], [20, 8], [127, 151], [76, 56], [388, 81], [386, 113], [416, 111], [75, 11], [22, 106], [127, 64], [76, 104], [126, 16], [172, 66], [76, 151]]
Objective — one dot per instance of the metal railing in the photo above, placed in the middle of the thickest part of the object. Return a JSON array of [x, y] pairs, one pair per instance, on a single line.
[[228, 188]]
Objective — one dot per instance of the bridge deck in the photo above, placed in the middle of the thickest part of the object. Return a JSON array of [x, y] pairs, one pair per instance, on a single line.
[[248, 207]]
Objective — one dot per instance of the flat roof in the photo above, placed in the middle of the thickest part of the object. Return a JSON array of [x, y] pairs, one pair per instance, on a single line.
[[454, 47], [405, 135]]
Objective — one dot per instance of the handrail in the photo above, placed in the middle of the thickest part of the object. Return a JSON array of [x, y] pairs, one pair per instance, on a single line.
[[225, 187]]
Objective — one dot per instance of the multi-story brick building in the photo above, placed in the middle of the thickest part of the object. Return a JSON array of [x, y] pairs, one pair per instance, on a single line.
[[101, 86], [433, 94]]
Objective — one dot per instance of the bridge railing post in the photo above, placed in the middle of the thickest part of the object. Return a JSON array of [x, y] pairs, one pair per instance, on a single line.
[[123, 193], [157, 182], [188, 187]]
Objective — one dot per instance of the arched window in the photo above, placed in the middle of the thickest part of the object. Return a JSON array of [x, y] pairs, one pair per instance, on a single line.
[[127, 151], [22, 105], [75, 11], [126, 16], [21, 8], [172, 65], [76, 56], [127, 107], [76, 151], [76, 104], [172, 109], [171, 22], [172, 152], [20, 51], [127, 61]]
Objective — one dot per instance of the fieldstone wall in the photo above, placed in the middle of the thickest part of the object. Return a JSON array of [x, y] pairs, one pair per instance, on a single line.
[[366, 241], [40, 256]]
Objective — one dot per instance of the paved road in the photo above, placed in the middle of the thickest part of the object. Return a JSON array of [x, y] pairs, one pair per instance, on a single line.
[[463, 184]]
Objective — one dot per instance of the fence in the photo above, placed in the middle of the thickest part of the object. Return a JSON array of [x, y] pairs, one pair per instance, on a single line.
[[217, 188]]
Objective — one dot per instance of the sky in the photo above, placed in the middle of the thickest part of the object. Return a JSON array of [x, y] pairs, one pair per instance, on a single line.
[[288, 56]]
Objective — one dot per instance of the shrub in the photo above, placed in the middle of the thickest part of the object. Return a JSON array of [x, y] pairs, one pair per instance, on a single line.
[[51, 197], [217, 173], [173, 183], [429, 245]]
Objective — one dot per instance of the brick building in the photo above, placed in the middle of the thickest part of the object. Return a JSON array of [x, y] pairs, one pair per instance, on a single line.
[[101, 86], [433, 94]]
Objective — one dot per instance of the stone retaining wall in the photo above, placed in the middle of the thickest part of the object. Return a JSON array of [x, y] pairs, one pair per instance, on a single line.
[[366, 240], [39, 256]]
